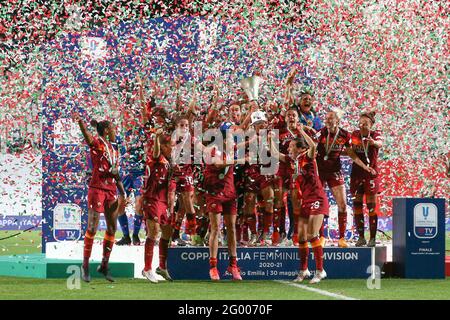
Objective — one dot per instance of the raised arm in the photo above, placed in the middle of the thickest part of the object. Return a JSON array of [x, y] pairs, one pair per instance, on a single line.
[[157, 145], [312, 145], [144, 112], [178, 102], [274, 150], [214, 111], [247, 119], [192, 112], [288, 96], [86, 134]]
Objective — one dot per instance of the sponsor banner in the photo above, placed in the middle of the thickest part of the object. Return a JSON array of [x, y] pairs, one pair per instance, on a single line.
[[19, 222], [16, 222], [272, 263]]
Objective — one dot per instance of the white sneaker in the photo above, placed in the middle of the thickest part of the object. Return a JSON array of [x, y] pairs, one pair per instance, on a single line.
[[318, 277], [150, 275], [302, 275]]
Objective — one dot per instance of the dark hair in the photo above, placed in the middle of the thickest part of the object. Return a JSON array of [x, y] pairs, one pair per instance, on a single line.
[[370, 115], [180, 117], [293, 108], [300, 142], [100, 126]]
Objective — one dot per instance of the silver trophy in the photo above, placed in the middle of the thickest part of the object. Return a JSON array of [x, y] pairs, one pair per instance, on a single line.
[[251, 87]]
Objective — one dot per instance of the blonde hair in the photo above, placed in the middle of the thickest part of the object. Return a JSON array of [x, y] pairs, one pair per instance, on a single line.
[[338, 112]]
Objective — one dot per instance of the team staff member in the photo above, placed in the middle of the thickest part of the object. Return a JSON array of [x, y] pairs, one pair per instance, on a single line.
[[102, 193]]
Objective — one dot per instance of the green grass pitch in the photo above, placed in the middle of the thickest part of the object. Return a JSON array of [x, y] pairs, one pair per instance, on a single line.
[[26, 288]]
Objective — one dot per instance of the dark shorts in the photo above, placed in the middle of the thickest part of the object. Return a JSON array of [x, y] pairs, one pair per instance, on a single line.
[[99, 198], [369, 186], [133, 183]]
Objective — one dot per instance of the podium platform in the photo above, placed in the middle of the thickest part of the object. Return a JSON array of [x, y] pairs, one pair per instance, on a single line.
[[256, 263], [40, 267]]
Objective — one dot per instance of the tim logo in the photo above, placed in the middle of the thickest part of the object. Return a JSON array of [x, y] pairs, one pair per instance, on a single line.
[[425, 220]]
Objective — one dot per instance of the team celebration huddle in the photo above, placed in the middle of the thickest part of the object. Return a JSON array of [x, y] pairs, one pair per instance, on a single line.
[[262, 167]]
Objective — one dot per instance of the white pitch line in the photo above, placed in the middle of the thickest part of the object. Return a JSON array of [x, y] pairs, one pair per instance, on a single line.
[[319, 291]]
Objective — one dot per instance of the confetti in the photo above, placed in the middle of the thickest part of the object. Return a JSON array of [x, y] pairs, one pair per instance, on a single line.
[[391, 56]]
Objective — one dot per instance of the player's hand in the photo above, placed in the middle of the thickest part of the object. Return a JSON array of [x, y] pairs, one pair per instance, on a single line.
[[159, 132], [371, 171], [76, 117], [291, 75]]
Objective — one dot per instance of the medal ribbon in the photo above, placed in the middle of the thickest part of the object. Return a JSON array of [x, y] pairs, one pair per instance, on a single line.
[[327, 147], [111, 155]]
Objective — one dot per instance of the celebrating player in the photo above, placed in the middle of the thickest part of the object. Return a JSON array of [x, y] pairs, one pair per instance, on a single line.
[[102, 196], [220, 198], [155, 204], [314, 204], [366, 143], [333, 140], [258, 184]]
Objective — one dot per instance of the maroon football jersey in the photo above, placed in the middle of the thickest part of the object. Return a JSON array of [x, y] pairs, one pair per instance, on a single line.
[[308, 181], [328, 155], [103, 155], [367, 154], [156, 179], [219, 182]]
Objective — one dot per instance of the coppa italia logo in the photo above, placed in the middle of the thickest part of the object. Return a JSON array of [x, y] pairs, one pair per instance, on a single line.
[[66, 222], [425, 220]]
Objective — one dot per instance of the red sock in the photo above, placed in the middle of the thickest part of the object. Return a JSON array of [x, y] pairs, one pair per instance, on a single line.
[[213, 263], [163, 248], [268, 217], [373, 220], [108, 243], [303, 250], [318, 252], [233, 261], [238, 232], [282, 222], [342, 220], [251, 221], [245, 232], [88, 242], [296, 217], [276, 219], [148, 255], [260, 221], [359, 218], [190, 223]]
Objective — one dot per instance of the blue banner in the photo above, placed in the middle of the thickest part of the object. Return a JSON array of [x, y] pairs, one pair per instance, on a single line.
[[272, 263]]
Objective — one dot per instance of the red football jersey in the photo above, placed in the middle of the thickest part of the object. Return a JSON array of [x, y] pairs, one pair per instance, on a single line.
[[285, 139], [330, 162], [103, 156], [180, 168], [367, 154], [308, 181], [219, 182], [156, 179]]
